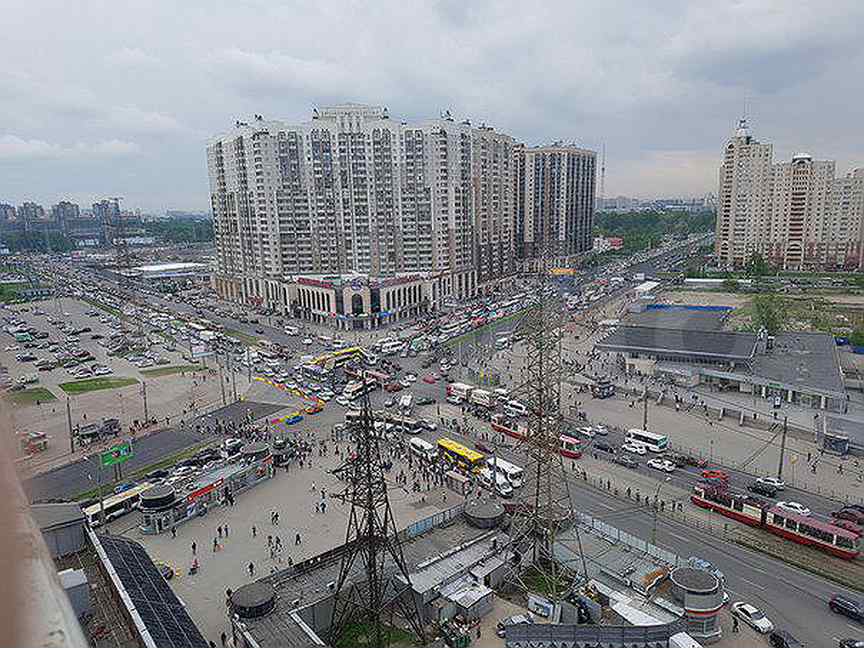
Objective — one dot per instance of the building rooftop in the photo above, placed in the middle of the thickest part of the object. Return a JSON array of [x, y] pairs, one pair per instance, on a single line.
[[678, 318], [716, 346], [52, 515], [803, 360], [308, 582], [169, 267]]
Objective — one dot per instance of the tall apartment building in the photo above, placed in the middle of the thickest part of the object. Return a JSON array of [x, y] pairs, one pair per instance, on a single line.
[[407, 214], [555, 200], [795, 214]]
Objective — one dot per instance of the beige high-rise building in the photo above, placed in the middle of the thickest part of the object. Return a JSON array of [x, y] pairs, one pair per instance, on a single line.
[[354, 197], [797, 215], [555, 200]]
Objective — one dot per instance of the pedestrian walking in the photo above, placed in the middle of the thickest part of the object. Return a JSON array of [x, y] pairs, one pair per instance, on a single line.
[[251, 570], [224, 639], [219, 531], [297, 539], [194, 549], [254, 531], [226, 530], [215, 545], [174, 533]]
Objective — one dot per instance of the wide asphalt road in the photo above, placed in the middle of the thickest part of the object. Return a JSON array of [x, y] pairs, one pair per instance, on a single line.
[[68, 481]]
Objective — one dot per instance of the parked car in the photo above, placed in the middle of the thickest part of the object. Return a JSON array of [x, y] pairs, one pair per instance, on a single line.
[[840, 604], [760, 488], [752, 616], [602, 446], [776, 482], [517, 619], [721, 475], [851, 643], [848, 513], [794, 507]]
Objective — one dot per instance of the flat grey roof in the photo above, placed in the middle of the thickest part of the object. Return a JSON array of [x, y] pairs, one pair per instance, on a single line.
[[684, 318], [709, 345], [52, 515], [804, 360]]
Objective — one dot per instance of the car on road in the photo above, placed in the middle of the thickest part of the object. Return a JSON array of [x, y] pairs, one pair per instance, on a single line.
[[783, 639], [752, 616], [759, 488], [430, 379], [776, 482], [661, 464], [602, 430], [720, 475], [389, 402], [794, 507], [259, 331], [634, 448], [344, 402], [625, 460], [307, 341], [848, 607], [404, 384], [604, 447], [411, 377], [850, 514], [425, 400], [393, 387], [851, 643]]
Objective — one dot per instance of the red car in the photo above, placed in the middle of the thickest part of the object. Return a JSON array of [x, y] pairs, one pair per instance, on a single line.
[[850, 514], [849, 526], [430, 378], [722, 475], [393, 387]]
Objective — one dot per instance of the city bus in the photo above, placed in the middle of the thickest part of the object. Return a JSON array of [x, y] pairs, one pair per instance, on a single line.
[[404, 424], [512, 472], [391, 346], [654, 442], [459, 455], [356, 388], [115, 505]]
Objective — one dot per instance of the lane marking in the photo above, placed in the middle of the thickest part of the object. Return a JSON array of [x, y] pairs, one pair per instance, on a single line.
[[756, 585]]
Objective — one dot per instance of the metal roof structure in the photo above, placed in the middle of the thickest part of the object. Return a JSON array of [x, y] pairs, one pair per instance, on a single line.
[[56, 514], [706, 346], [164, 617]]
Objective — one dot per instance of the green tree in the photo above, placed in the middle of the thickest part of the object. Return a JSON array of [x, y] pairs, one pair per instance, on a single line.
[[730, 285], [757, 266], [769, 311], [857, 337]]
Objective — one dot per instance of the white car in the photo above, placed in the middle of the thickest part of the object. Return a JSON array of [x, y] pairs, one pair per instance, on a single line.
[[661, 464], [307, 341], [587, 432], [344, 402], [777, 483], [634, 448], [752, 616], [102, 371], [410, 377], [794, 507], [454, 400], [602, 430]]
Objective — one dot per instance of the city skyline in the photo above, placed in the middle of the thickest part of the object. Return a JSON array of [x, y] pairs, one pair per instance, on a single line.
[[127, 114]]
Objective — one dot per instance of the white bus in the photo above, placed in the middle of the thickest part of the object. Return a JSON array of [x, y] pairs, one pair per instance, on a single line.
[[355, 388], [654, 442], [512, 472], [389, 347], [115, 505], [423, 449]]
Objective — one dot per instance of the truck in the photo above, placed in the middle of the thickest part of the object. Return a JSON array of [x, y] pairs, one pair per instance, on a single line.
[[482, 397], [459, 390]]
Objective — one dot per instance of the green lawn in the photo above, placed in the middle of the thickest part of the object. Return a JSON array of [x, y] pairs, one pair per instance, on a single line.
[[245, 338], [107, 309], [9, 292], [95, 384], [169, 371], [30, 396]]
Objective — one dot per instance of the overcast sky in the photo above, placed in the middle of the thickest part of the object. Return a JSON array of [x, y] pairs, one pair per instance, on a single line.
[[119, 98]]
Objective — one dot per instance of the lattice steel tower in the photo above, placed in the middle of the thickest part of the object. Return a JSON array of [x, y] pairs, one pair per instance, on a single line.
[[545, 543], [373, 585]]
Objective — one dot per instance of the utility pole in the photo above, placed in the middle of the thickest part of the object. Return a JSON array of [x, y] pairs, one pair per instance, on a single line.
[[656, 505], [645, 410], [248, 366], [782, 447], [221, 381], [69, 424], [144, 396]]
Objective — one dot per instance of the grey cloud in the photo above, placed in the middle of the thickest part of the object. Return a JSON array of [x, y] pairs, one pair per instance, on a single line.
[[660, 85]]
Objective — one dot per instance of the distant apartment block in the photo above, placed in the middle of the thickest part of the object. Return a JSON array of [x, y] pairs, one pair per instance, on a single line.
[[797, 215]]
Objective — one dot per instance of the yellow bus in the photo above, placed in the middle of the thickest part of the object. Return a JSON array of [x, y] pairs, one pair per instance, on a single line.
[[463, 457], [338, 358]]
